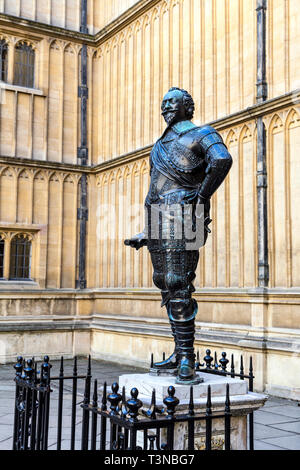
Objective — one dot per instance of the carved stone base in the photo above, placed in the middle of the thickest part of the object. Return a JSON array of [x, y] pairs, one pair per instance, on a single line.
[[242, 403], [145, 383]]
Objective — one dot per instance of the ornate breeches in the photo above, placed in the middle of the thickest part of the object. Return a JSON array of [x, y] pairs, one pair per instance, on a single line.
[[174, 272]]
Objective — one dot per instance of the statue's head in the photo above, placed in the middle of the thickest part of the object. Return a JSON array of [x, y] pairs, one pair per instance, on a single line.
[[177, 105]]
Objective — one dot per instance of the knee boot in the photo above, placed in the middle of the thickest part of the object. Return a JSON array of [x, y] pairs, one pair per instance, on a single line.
[[183, 312]]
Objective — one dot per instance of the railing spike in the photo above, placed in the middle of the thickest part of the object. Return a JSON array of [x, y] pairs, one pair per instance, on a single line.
[[242, 368], [216, 366], [95, 395], [232, 370], [89, 368], [124, 410], [250, 366], [104, 398]]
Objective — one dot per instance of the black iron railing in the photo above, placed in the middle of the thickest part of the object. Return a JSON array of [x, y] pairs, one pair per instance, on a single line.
[[213, 366], [121, 420], [32, 403], [62, 378], [109, 420]]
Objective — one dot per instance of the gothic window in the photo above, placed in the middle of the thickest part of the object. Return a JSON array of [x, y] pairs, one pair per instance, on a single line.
[[3, 60], [24, 66], [1, 257], [20, 257]]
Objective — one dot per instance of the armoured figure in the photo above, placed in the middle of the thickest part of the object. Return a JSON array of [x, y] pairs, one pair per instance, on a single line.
[[187, 165]]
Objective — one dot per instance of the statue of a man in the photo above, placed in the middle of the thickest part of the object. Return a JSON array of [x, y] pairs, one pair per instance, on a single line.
[[187, 165]]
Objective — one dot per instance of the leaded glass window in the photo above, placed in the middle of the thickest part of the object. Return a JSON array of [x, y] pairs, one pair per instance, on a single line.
[[20, 257], [3, 60], [24, 66]]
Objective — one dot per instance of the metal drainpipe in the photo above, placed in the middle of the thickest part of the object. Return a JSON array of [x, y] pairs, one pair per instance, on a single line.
[[82, 155], [262, 94]]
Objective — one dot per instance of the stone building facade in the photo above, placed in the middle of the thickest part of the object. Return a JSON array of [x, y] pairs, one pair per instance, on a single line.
[[137, 50]]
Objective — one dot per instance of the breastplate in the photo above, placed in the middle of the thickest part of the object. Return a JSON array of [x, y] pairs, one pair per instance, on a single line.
[[181, 157]]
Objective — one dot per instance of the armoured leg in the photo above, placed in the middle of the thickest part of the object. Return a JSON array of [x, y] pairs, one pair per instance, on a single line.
[[173, 274]]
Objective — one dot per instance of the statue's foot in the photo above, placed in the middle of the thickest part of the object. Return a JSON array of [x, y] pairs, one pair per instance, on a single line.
[[186, 371], [169, 363], [166, 367]]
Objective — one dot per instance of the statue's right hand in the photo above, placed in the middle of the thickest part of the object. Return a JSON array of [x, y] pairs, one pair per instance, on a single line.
[[137, 242]]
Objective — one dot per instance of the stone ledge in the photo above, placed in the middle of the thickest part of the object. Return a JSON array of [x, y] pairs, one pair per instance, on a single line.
[[215, 335], [37, 30], [242, 402], [220, 294], [247, 338], [145, 383], [43, 325], [21, 89], [6, 284]]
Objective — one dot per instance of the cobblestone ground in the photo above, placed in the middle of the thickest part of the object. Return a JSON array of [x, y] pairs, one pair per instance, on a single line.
[[277, 424]]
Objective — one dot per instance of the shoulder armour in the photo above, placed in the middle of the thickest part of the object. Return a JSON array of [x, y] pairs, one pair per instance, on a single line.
[[208, 137]]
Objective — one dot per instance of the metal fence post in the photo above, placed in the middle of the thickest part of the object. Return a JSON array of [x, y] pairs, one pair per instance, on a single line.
[[227, 419], [18, 368], [86, 402]]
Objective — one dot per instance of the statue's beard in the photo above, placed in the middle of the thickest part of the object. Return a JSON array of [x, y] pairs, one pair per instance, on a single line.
[[170, 117]]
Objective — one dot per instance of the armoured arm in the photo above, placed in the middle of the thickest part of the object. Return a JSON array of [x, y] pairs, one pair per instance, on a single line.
[[218, 161]]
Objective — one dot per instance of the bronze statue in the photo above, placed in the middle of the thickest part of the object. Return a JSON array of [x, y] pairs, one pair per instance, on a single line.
[[187, 165]]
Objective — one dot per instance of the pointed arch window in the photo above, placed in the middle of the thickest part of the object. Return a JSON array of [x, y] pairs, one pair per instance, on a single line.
[[20, 257], [3, 60], [24, 65]]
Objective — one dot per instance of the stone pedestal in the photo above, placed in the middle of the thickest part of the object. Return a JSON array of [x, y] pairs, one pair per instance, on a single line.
[[242, 402]]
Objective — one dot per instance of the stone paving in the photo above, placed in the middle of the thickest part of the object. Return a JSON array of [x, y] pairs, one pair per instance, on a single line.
[[277, 424]]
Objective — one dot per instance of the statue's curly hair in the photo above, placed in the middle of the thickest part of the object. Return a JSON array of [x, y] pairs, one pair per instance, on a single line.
[[187, 101]]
